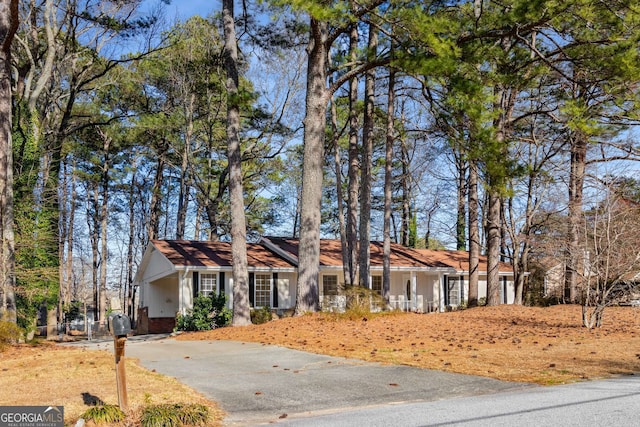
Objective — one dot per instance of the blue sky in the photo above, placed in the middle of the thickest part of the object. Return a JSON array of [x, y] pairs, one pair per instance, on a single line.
[[182, 9]]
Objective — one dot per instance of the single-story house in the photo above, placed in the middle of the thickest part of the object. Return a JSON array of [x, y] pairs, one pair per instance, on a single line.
[[173, 272]]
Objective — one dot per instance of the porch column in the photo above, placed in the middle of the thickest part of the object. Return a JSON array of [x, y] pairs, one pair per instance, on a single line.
[[182, 308], [442, 291], [180, 295], [414, 290]]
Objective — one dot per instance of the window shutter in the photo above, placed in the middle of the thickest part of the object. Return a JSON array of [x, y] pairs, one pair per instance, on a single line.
[[446, 290], [196, 283], [221, 283], [504, 289], [275, 290], [252, 288]]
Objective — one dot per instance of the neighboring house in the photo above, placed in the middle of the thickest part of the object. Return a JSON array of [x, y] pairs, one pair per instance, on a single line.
[[628, 283], [554, 281], [173, 272]]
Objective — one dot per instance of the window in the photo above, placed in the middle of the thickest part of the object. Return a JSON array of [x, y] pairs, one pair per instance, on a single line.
[[453, 290], [208, 284], [376, 284], [329, 285], [408, 290], [262, 290]]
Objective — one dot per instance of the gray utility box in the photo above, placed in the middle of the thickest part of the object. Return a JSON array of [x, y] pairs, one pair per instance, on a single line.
[[119, 324]]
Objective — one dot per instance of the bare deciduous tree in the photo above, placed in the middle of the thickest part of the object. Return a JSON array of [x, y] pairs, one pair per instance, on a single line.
[[611, 256]]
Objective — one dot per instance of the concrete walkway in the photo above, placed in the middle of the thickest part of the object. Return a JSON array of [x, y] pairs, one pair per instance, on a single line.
[[257, 384]]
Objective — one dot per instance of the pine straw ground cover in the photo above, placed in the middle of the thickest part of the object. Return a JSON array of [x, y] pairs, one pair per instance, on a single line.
[[512, 343], [48, 374]]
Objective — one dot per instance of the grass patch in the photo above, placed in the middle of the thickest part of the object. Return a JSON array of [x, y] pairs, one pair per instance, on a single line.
[[174, 415], [10, 333], [104, 414], [80, 380]]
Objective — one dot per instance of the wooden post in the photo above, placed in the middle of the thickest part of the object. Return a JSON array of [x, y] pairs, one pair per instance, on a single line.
[[121, 381]]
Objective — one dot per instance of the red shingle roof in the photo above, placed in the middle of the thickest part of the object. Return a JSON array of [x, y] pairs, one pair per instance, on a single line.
[[401, 256], [460, 260], [195, 253]]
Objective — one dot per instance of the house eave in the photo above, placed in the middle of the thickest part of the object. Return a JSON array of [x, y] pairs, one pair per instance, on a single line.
[[217, 268]]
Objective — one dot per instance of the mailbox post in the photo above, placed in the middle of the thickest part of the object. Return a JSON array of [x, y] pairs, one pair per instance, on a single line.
[[119, 326]]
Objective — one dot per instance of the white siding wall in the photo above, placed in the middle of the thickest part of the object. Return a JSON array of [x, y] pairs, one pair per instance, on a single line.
[[158, 266], [162, 298], [287, 290], [482, 287], [429, 290]]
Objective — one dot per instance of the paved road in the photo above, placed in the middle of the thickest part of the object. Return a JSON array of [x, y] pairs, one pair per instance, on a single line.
[[258, 384], [596, 403]]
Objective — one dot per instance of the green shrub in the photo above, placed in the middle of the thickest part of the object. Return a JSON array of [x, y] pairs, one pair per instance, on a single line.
[[222, 315], [261, 315], [174, 415], [10, 333], [104, 414], [208, 313]]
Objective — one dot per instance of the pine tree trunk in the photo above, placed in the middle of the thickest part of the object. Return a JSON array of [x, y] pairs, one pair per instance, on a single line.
[[406, 195], [156, 194], [521, 258], [104, 214], [70, 235], [354, 168], [337, 162], [183, 198], [307, 296], [94, 237], [64, 226], [367, 160], [474, 233], [241, 309], [197, 223], [461, 238], [388, 166], [503, 108], [130, 243], [493, 247], [576, 183], [211, 209]]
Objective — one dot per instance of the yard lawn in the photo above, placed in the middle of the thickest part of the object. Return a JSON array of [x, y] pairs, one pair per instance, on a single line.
[[540, 345], [49, 374], [513, 343]]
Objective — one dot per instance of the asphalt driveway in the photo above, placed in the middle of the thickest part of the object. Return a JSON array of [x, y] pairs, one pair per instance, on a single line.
[[257, 384]]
